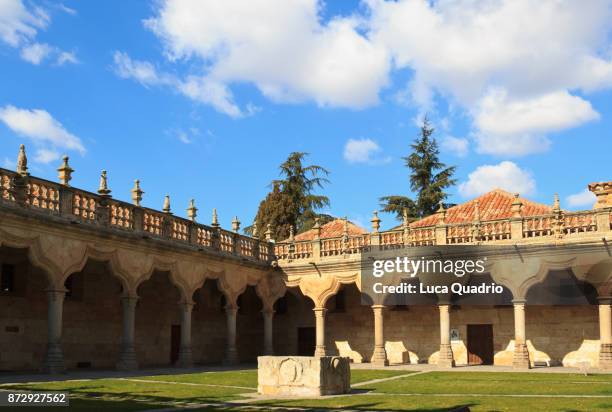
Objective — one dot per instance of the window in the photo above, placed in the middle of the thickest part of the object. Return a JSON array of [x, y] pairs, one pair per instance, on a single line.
[[7, 278]]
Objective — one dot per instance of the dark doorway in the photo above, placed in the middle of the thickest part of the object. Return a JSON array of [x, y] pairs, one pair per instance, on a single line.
[[175, 343], [306, 341], [480, 344]]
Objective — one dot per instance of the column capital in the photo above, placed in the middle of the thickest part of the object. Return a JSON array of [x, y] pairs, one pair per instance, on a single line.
[[604, 300], [382, 307], [268, 311], [521, 301], [319, 311], [186, 305], [231, 309]]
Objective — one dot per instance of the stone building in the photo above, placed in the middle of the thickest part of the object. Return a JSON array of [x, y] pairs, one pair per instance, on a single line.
[[88, 281]]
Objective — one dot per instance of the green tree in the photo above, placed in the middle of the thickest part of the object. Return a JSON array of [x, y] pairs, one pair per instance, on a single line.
[[277, 210], [293, 195], [429, 178]]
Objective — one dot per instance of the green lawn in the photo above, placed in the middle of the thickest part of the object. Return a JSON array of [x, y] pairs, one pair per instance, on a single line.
[[434, 391]]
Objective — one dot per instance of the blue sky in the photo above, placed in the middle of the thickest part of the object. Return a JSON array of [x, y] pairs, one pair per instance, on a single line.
[[205, 99]]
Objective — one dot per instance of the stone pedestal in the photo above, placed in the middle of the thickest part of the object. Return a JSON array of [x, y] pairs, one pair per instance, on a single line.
[[303, 375]]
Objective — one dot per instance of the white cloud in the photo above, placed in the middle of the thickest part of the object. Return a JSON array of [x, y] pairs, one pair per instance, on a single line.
[[286, 51], [457, 145], [67, 9], [536, 52], [66, 57], [46, 155], [35, 53], [517, 127], [18, 25], [143, 72], [584, 198], [39, 126], [363, 151], [505, 175]]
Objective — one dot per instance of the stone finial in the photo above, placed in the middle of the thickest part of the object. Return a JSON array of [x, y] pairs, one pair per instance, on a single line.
[[476, 211], [268, 233], [603, 194], [22, 161], [346, 226], [317, 227], [405, 222], [103, 190], [517, 206], [192, 210], [255, 230], [556, 203], [235, 224], [375, 222], [65, 172], [166, 208], [137, 193], [441, 212], [215, 219], [291, 233]]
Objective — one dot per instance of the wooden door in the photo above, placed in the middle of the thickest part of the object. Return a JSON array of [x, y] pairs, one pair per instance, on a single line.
[[175, 343], [306, 341], [480, 344]]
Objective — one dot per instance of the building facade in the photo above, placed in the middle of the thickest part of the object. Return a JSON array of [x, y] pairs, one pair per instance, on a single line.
[[88, 281]]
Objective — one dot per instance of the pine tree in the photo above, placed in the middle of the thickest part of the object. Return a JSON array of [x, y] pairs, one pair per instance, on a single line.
[[293, 196], [277, 210], [429, 178]]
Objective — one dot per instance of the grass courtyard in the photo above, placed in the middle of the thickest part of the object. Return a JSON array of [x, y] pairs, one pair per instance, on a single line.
[[405, 391]]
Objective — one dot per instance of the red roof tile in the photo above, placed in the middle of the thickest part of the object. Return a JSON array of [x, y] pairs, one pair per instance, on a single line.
[[496, 204], [335, 228]]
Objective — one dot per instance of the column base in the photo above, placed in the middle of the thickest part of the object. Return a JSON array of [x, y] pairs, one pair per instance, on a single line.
[[605, 356], [379, 357], [520, 359], [127, 360], [268, 352], [320, 351], [54, 360], [445, 358], [231, 357], [185, 358]]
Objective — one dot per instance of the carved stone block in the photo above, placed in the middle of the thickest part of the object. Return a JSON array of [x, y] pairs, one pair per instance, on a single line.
[[303, 375]]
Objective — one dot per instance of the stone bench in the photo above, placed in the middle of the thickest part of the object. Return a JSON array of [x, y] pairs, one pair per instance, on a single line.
[[303, 375], [345, 350]]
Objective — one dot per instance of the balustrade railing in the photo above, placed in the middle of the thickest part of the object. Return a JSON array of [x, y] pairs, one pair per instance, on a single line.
[[50, 198], [79, 206], [556, 225]]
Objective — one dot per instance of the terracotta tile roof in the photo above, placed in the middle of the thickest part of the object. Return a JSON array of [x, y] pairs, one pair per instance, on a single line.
[[335, 228], [496, 204]]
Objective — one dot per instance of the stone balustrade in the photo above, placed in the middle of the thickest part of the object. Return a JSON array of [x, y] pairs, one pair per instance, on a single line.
[[558, 226], [60, 201]]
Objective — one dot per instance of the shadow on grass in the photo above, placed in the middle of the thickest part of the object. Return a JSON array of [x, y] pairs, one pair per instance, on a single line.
[[364, 406]]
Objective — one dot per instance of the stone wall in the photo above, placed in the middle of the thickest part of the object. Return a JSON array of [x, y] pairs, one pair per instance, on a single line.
[[564, 334]]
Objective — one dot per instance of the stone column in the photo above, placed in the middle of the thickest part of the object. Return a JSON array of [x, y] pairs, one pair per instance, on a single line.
[[54, 358], [605, 334], [268, 315], [185, 358], [445, 358], [127, 358], [231, 353], [520, 359], [320, 324], [380, 354]]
